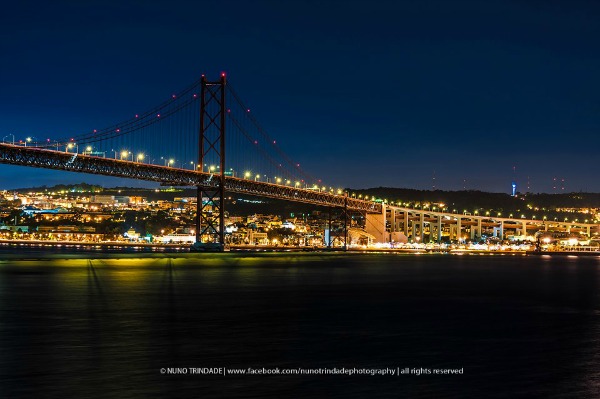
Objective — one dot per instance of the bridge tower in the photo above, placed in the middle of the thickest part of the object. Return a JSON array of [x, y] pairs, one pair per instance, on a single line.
[[210, 205]]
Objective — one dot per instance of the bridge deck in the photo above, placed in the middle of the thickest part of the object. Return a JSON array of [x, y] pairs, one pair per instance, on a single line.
[[59, 160]]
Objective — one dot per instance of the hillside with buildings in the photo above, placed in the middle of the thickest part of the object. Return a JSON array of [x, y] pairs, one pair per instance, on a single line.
[[85, 212]]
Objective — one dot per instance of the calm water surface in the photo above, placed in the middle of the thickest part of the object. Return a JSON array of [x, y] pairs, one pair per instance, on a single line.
[[103, 325]]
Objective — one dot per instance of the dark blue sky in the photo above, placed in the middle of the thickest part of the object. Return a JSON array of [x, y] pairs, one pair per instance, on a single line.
[[364, 93]]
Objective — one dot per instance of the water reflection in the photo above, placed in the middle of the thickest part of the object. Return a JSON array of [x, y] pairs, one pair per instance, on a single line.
[[527, 325]]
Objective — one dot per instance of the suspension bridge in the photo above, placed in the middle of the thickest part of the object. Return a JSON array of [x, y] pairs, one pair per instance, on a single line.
[[206, 137], [195, 138]]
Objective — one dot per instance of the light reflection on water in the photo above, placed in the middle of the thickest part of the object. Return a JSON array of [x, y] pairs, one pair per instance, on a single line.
[[72, 325]]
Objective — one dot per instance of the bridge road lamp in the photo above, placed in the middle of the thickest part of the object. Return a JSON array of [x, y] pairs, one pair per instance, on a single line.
[[124, 154], [140, 157], [193, 165], [32, 139], [70, 146], [13, 138], [247, 175], [88, 150]]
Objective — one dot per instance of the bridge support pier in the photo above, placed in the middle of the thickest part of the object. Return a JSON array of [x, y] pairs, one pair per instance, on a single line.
[[499, 231], [375, 225], [337, 227], [476, 231]]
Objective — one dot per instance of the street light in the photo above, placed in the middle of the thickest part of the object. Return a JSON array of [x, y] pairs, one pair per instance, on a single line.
[[140, 157], [124, 154], [27, 140], [171, 161], [71, 145], [13, 138], [247, 175]]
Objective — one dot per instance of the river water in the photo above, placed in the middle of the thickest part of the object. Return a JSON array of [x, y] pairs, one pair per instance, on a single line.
[[135, 325]]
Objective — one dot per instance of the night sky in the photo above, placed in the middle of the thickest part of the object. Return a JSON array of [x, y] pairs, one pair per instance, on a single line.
[[363, 93]]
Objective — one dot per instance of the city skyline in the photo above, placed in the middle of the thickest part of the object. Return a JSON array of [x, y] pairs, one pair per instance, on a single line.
[[391, 95]]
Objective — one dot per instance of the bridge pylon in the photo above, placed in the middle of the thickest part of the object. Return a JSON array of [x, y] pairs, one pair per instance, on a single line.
[[210, 200], [339, 217]]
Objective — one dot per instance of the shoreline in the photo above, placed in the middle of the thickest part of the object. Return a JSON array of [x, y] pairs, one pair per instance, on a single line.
[[62, 247]]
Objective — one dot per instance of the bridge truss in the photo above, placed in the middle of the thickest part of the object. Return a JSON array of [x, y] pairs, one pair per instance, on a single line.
[[59, 160]]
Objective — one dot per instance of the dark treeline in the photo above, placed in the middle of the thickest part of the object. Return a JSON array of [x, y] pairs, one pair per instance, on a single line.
[[472, 199]]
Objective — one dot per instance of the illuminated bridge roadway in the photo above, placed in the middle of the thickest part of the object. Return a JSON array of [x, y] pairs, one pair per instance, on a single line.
[[71, 162]]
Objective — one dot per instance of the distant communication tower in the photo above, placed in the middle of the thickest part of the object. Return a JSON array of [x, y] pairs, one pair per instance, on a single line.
[[514, 189]]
